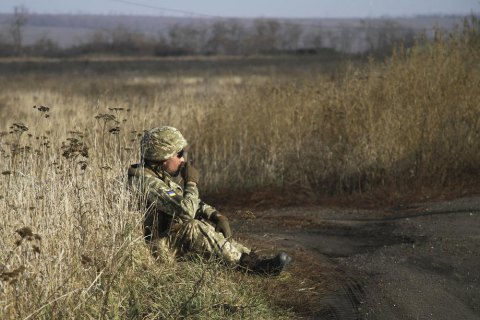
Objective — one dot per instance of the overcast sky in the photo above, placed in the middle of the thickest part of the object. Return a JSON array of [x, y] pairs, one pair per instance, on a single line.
[[249, 8]]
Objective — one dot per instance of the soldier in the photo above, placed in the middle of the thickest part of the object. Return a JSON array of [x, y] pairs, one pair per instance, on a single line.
[[174, 214]]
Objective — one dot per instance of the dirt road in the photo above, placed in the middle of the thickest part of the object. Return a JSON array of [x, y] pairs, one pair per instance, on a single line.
[[418, 262]]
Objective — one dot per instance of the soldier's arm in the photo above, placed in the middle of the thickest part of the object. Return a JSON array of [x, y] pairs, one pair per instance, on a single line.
[[168, 201], [206, 211]]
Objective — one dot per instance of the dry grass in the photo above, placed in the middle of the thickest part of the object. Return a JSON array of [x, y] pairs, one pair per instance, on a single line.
[[412, 121], [71, 246]]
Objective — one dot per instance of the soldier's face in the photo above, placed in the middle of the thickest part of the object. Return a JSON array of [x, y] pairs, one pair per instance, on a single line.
[[173, 165]]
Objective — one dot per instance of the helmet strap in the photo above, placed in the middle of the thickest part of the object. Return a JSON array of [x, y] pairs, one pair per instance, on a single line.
[[156, 166]]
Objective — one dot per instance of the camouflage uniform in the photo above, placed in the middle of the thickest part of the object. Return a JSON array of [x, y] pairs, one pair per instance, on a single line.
[[175, 215]]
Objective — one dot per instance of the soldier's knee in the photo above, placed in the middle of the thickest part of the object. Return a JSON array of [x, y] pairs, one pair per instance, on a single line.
[[191, 225], [197, 226]]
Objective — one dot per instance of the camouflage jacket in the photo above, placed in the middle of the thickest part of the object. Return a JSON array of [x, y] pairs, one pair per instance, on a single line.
[[165, 199]]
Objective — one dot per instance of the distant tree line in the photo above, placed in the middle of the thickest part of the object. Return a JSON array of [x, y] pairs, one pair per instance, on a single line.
[[222, 37]]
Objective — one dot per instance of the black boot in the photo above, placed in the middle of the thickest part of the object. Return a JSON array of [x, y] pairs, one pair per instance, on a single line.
[[271, 267]]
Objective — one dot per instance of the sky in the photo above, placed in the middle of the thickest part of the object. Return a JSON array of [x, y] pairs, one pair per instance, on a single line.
[[249, 8]]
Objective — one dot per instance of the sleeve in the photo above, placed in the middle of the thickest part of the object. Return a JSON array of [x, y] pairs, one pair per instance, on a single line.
[[206, 210], [168, 201]]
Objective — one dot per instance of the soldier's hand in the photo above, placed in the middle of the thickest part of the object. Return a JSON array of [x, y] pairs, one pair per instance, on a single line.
[[222, 225], [189, 173]]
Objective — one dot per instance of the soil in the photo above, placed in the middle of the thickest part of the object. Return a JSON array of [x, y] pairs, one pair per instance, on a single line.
[[415, 262]]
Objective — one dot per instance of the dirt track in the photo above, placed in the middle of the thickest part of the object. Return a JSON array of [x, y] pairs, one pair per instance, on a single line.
[[421, 262]]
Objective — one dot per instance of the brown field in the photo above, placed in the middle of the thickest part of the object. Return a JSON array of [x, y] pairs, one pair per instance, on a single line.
[[71, 246]]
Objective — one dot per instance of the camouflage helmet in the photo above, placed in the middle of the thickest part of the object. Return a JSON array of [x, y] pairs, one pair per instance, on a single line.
[[162, 143]]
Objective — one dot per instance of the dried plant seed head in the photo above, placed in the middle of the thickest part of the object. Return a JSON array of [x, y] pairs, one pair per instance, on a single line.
[[19, 127], [12, 275], [114, 130], [86, 260], [105, 117], [74, 148], [24, 232], [83, 165], [115, 109], [43, 109]]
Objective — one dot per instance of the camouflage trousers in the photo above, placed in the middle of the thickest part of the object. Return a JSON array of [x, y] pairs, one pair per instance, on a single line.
[[200, 237]]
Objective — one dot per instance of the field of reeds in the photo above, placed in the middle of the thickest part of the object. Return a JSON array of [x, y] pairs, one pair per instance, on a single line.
[[71, 243]]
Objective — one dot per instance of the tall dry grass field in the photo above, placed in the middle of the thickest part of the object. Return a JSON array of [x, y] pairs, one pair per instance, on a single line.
[[71, 245], [71, 241]]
